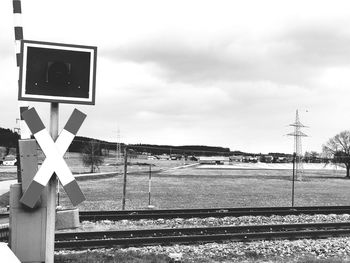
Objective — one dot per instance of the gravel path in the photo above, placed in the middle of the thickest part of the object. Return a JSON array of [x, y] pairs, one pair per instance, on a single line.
[[5, 186]]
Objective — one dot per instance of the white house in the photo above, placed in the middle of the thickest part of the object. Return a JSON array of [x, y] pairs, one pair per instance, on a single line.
[[214, 160]]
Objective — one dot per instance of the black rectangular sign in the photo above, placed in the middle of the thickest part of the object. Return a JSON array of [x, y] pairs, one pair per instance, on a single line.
[[55, 72]]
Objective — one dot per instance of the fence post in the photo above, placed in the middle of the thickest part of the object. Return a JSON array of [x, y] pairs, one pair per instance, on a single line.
[[125, 173], [149, 185], [294, 155]]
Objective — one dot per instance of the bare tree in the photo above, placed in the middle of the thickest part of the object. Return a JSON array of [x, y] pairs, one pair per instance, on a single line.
[[338, 148], [92, 155]]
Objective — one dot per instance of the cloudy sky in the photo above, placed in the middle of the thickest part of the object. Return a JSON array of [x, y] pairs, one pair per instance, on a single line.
[[220, 73]]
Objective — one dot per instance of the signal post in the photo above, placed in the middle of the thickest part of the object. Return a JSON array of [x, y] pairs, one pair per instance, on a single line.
[[54, 73]]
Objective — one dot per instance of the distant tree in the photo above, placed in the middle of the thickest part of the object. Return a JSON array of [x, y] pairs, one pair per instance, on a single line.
[[92, 155], [338, 149], [311, 157], [8, 138]]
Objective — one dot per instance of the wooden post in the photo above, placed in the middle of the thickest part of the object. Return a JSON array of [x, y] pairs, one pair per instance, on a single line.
[[293, 179], [149, 184], [51, 198], [125, 173]]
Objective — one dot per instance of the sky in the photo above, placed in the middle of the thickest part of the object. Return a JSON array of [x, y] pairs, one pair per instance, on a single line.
[[218, 73]]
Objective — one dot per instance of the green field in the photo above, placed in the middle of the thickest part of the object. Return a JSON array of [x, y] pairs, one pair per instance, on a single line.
[[197, 188], [192, 187]]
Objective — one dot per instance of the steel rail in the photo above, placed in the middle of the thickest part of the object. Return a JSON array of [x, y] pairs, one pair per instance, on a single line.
[[72, 240], [195, 239], [214, 212], [197, 230], [205, 212], [222, 209]]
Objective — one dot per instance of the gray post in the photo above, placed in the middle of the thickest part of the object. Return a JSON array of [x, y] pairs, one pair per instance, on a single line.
[[125, 173], [149, 185], [51, 198], [294, 155]]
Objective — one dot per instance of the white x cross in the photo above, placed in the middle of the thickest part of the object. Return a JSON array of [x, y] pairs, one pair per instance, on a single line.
[[54, 162]]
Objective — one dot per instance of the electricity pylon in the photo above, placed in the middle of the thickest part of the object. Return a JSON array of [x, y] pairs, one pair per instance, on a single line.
[[297, 134]]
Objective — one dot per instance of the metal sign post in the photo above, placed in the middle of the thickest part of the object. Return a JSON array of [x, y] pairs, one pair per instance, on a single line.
[[54, 166], [55, 73], [51, 197]]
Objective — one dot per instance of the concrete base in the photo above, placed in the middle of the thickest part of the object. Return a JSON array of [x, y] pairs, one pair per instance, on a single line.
[[151, 207], [66, 219]]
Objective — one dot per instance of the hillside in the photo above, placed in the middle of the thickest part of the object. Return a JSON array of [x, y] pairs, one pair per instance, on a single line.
[[8, 139]]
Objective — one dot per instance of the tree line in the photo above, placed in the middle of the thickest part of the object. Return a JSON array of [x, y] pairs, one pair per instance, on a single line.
[[8, 138], [335, 150]]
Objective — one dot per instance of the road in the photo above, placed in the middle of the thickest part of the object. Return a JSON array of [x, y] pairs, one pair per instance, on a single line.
[[5, 186]]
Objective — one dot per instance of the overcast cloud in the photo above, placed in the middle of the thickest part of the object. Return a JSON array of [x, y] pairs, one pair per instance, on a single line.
[[220, 73]]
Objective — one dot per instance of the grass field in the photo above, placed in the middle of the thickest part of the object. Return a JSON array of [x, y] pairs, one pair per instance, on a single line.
[[196, 188], [191, 187]]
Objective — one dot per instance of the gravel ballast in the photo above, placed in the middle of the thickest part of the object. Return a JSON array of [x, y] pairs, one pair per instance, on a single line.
[[210, 222], [303, 250]]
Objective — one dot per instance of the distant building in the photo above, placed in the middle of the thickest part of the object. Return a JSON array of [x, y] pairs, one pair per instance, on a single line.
[[250, 159], [281, 159], [163, 157], [214, 160], [236, 158], [266, 159], [192, 158], [9, 160]]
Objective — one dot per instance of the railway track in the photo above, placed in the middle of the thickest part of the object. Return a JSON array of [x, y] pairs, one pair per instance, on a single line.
[[168, 236], [211, 212], [203, 213], [125, 238]]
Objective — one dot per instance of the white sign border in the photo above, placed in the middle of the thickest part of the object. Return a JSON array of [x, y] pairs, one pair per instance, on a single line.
[[62, 99]]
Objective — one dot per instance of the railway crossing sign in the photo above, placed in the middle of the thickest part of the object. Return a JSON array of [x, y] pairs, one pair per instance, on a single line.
[[54, 162]]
